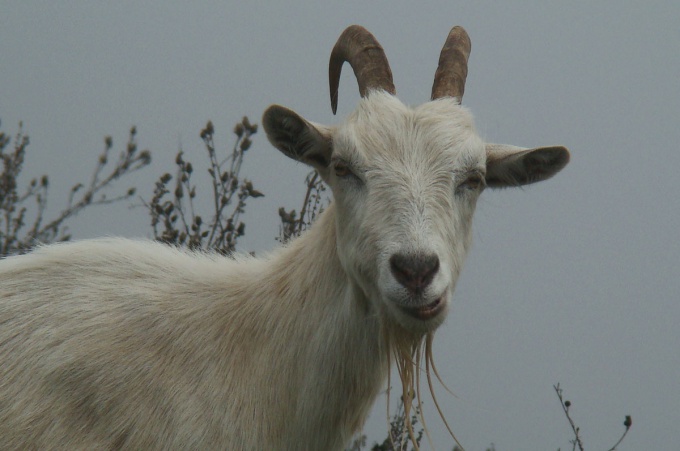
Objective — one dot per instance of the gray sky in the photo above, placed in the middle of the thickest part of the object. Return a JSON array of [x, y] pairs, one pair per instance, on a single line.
[[575, 280]]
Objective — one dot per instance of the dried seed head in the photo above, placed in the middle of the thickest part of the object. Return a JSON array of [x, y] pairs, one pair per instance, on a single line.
[[245, 144], [628, 422]]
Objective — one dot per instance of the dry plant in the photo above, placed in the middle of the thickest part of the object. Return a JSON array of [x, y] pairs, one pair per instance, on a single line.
[[398, 438], [577, 440], [23, 224], [292, 223], [173, 215], [398, 434]]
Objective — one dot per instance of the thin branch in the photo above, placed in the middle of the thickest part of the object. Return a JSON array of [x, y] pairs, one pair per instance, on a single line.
[[311, 184], [181, 225], [565, 406], [12, 205], [577, 441], [628, 422], [293, 225]]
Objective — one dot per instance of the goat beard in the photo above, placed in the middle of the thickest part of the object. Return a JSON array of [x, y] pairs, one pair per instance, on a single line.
[[409, 350]]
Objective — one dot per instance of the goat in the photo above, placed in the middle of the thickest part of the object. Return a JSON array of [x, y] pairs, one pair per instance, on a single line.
[[117, 343]]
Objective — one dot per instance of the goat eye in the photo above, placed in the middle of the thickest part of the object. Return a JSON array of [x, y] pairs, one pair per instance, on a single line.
[[342, 170], [472, 183]]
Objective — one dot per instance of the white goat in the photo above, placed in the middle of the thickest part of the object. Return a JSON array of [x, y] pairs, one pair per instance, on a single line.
[[109, 344]]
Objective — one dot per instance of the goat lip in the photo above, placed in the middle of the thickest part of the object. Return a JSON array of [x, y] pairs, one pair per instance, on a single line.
[[428, 311]]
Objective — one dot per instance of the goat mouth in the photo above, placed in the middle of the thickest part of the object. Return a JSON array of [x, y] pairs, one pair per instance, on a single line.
[[428, 311]]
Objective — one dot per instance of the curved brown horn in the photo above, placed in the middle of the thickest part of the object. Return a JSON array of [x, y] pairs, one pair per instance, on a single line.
[[449, 80], [363, 52]]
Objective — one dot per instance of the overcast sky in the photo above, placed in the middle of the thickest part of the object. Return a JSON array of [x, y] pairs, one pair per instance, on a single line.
[[575, 280]]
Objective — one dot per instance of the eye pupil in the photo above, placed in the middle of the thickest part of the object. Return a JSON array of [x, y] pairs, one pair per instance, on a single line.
[[341, 170], [472, 183]]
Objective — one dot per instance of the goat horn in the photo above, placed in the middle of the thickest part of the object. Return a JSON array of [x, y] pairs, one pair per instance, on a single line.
[[363, 52], [449, 80]]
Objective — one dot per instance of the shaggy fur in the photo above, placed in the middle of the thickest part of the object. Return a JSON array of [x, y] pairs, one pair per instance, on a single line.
[[129, 344]]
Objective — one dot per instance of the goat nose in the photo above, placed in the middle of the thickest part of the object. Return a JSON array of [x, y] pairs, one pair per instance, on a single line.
[[414, 272]]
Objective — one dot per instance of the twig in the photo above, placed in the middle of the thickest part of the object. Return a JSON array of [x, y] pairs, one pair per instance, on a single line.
[[12, 204], [627, 423], [565, 406], [181, 224], [311, 184]]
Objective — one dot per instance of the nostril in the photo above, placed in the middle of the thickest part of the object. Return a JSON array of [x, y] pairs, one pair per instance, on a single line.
[[415, 272]]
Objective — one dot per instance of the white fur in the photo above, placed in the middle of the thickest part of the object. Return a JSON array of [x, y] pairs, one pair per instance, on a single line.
[[133, 344]]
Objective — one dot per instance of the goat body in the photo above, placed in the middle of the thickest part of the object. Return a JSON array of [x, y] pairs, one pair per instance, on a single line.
[[131, 344], [119, 343]]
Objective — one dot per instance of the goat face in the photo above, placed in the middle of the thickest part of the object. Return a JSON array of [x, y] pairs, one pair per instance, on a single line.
[[405, 182]]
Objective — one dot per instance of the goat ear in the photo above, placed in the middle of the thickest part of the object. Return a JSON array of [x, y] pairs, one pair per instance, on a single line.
[[298, 138], [515, 166]]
